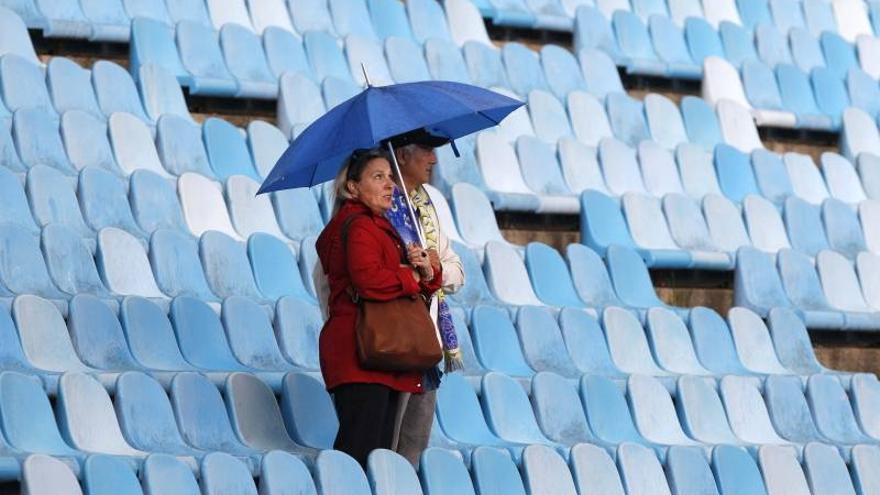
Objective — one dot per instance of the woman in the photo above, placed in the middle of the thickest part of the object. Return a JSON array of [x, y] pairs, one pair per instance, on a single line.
[[362, 254]]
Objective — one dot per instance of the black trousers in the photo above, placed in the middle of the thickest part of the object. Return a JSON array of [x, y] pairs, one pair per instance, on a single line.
[[367, 414]]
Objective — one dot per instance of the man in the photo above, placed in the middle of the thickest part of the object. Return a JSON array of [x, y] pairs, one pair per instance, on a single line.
[[416, 157]]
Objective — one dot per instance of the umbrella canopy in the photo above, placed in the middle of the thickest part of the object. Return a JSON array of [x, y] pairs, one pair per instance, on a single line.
[[446, 109]]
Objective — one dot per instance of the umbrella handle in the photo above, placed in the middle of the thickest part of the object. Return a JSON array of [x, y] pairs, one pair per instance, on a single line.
[[412, 210]]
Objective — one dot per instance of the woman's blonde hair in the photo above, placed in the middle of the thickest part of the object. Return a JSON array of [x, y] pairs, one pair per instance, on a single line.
[[353, 169]]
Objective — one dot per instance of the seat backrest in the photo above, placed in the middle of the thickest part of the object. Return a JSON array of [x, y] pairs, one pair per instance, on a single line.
[[297, 213], [44, 474], [297, 325], [701, 122], [442, 471], [627, 342], [737, 126], [508, 411], [686, 223], [868, 268], [586, 342], [771, 176], [550, 276], [496, 343], [697, 171], [627, 118], [405, 60], [38, 141], [70, 262], [221, 473], [794, 87], [646, 222], [255, 415], [739, 47], [826, 470], [97, 334], [390, 473], [561, 71], [28, 417], [702, 413], [548, 117], [607, 410], [654, 412], [860, 85], [842, 228], [602, 222], [804, 224], [23, 85], [599, 72], [311, 15], [713, 342], [632, 36], [133, 145], [736, 471], [308, 411], [145, 414], [445, 60], [859, 134], [864, 461], [620, 167], [150, 336], [85, 140], [359, 50], [44, 338], [671, 342], [471, 207], [801, 282], [806, 179], [281, 472], [664, 120], [523, 68], [227, 149], [275, 268], [16, 39], [792, 343], [163, 474], [840, 282], [725, 222], [123, 264], [161, 93], [495, 472], [772, 45], [284, 52], [840, 175], [753, 342], [765, 224], [200, 335], [71, 86], [507, 275], [593, 471], [460, 414], [104, 202], [250, 334], [668, 40], [154, 202], [632, 282], [789, 409], [325, 55], [175, 260], [203, 206], [588, 119], [782, 471], [465, 23], [640, 471], [426, 17], [115, 90], [22, 269], [267, 14], [832, 410], [735, 175], [250, 213], [539, 166], [746, 410], [688, 471], [659, 170], [558, 409], [499, 164], [545, 472], [180, 146]]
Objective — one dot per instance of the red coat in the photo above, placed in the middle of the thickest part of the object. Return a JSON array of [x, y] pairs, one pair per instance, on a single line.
[[370, 264]]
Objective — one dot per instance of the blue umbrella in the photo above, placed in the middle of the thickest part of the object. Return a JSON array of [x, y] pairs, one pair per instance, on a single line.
[[443, 108]]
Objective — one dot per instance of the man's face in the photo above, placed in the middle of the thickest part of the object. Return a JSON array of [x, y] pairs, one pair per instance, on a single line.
[[418, 164]]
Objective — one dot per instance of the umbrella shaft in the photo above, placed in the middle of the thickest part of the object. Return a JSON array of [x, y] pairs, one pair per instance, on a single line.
[[412, 210]]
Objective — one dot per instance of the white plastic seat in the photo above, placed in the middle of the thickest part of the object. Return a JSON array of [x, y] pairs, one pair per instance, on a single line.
[[203, 207]]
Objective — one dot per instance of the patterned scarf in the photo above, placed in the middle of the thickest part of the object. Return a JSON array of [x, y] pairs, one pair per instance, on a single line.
[[400, 218]]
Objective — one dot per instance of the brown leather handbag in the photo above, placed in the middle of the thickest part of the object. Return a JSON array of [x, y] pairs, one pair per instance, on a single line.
[[395, 335]]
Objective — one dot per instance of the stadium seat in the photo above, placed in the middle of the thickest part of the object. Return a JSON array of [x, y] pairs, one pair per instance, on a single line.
[[203, 205], [650, 232], [753, 343], [832, 410], [405, 60], [839, 54], [718, 11], [227, 149], [592, 30], [789, 410], [739, 47], [558, 410], [86, 142], [325, 56], [702, 413], [70, 86], [269, 14], [806, 179], [221, 473], [722, 82], [426, 17], [869, 171], [97, 334], [747, 411], [200, 54], [735, 470], [841, 285], [782, 471], [14, 207], [465, 23], [818, 17], [545, 472], [757, 286], [735, 175], [826, 469], [146, 417], [150, 336], [308, 411], [250, 213], [38, 140], [603, 224], [52, 200], [256, 417], [803, 222], [251, 335], [266, 143], [589, 123], [44, 338], [632, 282], [831, 95], [841, 178], [599, 72], [226, 266], [680, 10], [689, 471], [702, 39], [725, 223], [336, 90], [548, 117], [753, 13], [43, 474], [281, 471], [702, 125], [607, 411], [842, 228], [580, 168], [116, 91], [285, 52], [442, 471], [561, 71], [867, 48], [787, 15], [550, 277], [123, 264], [152, 42], [246, 61], [628, 344], [792, 342], [499, 166], [859, 134], [298, 323], [654, 412], [366, 54], [162, 473], [542, 342], [640, 471], [804, 289], [760, 86], [627, 118], [523, 69], [445, 61], [737, 126], [87, 418], [149, 10], [690, 231], [175, 260], [620, 167], [202, 417], [509, 413], [771, 176], [671, 343], [133, 145], [70, 262], [308, 262], [496, 344], [154, 202], [23, 270], [476, 229], [864, 459], [299, 102], [16, 40], [201, 336], [590, 277], [229, 12], [180, 147], [297, 213], [23, 86], [772, 45], [104, 202], [311, 15], [868, 268], [864, 395], [390, 473], [659, 170], [797, 96], [485, 65], [636, 48], [664, 121], [108, 20], [669, 44], [275, 268], [765, 225], [495, 470]]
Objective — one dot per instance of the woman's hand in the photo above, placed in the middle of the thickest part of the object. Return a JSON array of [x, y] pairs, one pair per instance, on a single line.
[[419, 259]]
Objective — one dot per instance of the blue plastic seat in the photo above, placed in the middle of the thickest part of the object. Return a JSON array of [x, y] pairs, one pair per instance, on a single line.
[[17, 40], [70, 86], [87, 418], [548, 117], [725, 222], [299, 102], [654, 412], [627, 343], [133, 145], [842, 290], [680, 10], [736, 471], [753, 343], [442, 471], [759, 83], [235, 277], [476, 229], [689, 229], [754, 12], [146, 417], [772, 45], [152, 42], [427, 19], [805, 50], [757, 286], [607, 411], [266, 143], [864, 391], [863, 91], [23, 85], [86, 142], [389, 19], [804, 289], [671, 343], [256, 417], [627, 118], [550, 277], [115, 90], [227, 149], [765, 225], [803, 221], [842, 228], [580, 168], [70, 262], [543, 343], [697, 171], [523, 69], [538, 163], [200, 336], [44, 474], [806, 179], [747, 412], [150, 10], [864, 461], [771, 176], [669, 44], [832, 410], [640, 471], [390, 473], [309, 263], [336, 90], [180, 147], [689, 472], [154, 202], [311, 15], [701, 123], [297, 213], [546, 472], [620, 168], [818, 17], [841, 178], [123, 264], [664, 121], [789, 410], [702, 413], [104, 202], [367, 51], [250, 214], [797, 96], [175, 260], [509, 412], [592, 30], [38, 141], [351, 17], [150, 336], [246, 61], [199, 46], [868, 267], [275, 268], [632, 282], [23, 270], [494, 470], [484, 65], [636, 48], [308, 412], [702, 39], [28, 419], [831, 95], [188, 10], [602, 223], [221, 473], [826, 469], [739, 46], [445, 61], [269, 14], [13, 202], [251, 336], [590, 125], [202, 417], [599, 72], [590, 277], [164, 474], [787, 14], [406, 62], [108, 19], [284, 52], [859, 134], [281, 472], [325, 56], [558, 410], [868, 210], [561, 71], [496, 342], [97, 334], [839, 54], [650, 233], [735, 175], [45, 340]]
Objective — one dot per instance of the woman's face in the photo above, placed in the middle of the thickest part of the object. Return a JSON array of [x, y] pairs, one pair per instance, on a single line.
[[375, 186]]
